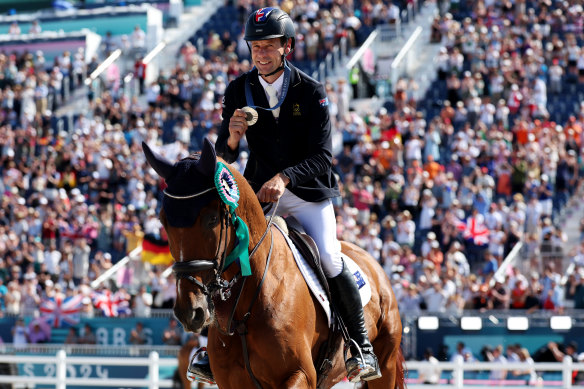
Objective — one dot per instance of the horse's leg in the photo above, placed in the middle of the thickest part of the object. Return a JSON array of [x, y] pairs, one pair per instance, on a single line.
[[183, 363], [389, 355], [387, 346], [384, 352], [299, 379]]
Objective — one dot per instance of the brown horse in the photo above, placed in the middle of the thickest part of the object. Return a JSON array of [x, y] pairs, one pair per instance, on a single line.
[[280, 323]]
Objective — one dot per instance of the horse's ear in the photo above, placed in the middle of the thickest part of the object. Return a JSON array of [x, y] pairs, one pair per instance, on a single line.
[[161, 165], [208, 161]]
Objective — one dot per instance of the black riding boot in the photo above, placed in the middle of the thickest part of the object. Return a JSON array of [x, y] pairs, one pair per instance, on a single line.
[[347, 301], [200, 369]]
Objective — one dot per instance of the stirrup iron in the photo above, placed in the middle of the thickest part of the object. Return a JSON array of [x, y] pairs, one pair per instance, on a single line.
[[197, 376], [354, 374]]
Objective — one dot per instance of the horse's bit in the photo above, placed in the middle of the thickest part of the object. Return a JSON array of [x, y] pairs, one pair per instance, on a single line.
[[219, 285]]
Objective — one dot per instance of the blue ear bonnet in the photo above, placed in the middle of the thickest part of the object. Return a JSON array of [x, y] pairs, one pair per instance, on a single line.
[[192, 184], [187, 181]]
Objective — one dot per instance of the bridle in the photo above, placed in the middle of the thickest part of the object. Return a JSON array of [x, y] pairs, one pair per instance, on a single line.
[[184, 270], [218, 286]]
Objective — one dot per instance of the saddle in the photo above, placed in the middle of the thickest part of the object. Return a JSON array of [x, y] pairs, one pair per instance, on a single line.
[[307, 247]]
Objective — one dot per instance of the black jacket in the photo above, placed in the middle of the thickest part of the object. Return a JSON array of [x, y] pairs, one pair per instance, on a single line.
[[298, 144]]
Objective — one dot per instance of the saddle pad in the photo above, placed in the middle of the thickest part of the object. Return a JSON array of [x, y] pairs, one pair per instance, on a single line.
[[316, 288]]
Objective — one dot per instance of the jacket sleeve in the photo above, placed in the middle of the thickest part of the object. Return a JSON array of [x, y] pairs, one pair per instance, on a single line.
[[229, 106], [319, 160]]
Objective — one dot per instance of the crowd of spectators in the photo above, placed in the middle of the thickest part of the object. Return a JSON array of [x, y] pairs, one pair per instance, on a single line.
[[442, 199], [438, 200], [75, 201]]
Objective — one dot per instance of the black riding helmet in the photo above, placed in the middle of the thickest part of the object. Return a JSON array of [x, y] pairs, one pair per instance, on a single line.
[[268, 23]]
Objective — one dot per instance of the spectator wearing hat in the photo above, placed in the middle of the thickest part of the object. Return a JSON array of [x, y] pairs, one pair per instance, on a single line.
[[87, 310], [455, 259], [435, 255], [30, 300], [405, 229], [500, 296]]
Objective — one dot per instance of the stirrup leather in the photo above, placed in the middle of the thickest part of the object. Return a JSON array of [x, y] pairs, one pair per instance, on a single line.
[[194, 371]]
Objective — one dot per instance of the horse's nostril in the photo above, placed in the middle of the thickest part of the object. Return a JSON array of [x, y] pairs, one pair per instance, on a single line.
[[198, 316]]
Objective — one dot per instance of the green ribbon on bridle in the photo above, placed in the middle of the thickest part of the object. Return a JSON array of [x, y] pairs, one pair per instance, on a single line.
[[229, 194]]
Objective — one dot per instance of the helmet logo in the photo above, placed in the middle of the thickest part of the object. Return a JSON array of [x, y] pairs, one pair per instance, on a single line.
[[262, 14]]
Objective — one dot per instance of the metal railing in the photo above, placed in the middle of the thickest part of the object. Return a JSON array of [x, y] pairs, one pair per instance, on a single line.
[[60, 378], [96, 350], [94, 82], [459, 367], [111, 272], [64, 367], [332, 62], [401, 66]]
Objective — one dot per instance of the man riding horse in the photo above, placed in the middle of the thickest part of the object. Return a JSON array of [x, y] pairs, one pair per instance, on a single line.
[[290, 161]]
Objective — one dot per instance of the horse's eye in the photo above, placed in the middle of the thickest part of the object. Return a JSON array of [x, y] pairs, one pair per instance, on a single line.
[[211, 219]]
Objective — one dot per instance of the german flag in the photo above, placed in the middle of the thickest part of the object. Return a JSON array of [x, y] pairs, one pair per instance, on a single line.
[[156, 250]]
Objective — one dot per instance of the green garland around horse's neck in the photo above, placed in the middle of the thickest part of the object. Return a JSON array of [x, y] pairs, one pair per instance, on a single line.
[[229, 193]]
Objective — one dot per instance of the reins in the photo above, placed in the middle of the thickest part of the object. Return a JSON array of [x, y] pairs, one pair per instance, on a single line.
[[229, 330], [222, 287]]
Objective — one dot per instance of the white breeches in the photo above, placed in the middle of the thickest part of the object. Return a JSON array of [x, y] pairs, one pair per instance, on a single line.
[[318, 219]]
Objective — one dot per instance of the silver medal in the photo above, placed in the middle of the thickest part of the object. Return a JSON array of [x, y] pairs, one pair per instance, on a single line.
[[251, 115]]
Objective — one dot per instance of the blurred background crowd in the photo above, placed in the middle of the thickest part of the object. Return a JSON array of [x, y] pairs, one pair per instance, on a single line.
[[438, 186]]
